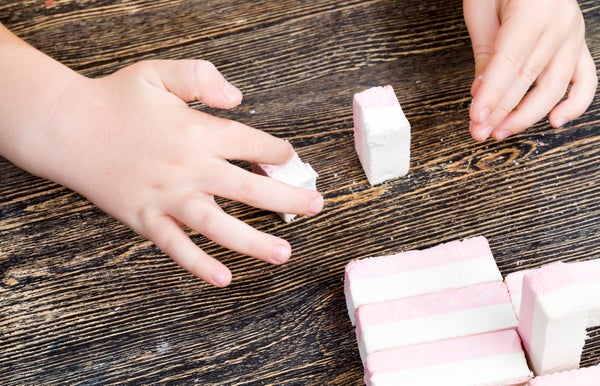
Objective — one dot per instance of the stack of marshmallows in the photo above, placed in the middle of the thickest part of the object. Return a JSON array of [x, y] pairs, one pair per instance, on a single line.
[[444, 316]]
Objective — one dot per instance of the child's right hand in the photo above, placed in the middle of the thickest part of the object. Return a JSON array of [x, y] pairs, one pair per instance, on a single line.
[[520, 44], [130, 144]]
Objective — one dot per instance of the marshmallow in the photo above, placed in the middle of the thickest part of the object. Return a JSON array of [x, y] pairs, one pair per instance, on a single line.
[[494, 358], [586, 275], [445, 266], [381, 134], [294, 172], [552, 319], [440, 315], [587, 376], [514, 283]]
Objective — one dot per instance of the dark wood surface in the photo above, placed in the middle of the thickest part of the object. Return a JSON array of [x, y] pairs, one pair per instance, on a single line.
[[83, 300]]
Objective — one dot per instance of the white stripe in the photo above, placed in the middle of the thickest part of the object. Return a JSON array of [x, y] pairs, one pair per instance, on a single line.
[[437, 327], [422, 281], [503, 369]]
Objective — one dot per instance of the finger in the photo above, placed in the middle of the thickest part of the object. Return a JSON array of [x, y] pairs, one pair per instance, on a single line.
[[194, 80], [208, 219], [581, 94], [263, 192], [514, 92], [517, 37], [236, 141], [172, 240], [483, 24], [550, 88]]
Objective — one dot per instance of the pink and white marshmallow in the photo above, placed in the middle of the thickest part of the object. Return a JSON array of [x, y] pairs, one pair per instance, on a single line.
[[451, 265]]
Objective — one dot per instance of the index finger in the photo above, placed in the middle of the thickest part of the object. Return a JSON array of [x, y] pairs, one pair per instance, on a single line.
[[233, 140], [517, 37]]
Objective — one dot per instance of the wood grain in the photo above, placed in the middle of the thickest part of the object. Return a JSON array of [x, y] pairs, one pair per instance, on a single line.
[[83, 300]]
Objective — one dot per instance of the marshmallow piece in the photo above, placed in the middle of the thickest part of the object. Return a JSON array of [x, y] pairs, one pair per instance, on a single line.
[[494, 358], [294, 172], [587, 376], [436, 316], [514, 283], [553, 318], [586, 275], [445, 266], [381, 134]]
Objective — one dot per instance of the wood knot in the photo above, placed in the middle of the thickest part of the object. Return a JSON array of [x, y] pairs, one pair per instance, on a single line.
[[500, 157]]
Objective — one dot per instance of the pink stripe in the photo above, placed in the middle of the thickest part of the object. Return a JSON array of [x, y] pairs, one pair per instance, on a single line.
[[440, 352], [549, 278], [514, 282], [454, 251], [376, 97], [579, 272], [471, 297], [357, 118], [268, 169]]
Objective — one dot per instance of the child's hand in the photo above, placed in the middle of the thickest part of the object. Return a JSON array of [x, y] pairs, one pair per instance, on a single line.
[[130, 143], [141, 154], [518, 44]]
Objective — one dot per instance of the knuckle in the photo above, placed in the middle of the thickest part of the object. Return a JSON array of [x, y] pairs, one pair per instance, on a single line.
[[247, 187], [202, 67], [529, 74], [557, 90], [167, 243], [207, 219], [164, 239], [514, 60], [483, 52], [254, 144], [502, 111]]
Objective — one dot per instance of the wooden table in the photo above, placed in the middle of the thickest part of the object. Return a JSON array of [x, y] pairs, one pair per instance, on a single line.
[[83, 300]]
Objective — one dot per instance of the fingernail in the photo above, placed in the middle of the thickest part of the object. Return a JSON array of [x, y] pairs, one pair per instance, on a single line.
[[281, 253], [231, 93], [561, 121], [501, 134], [483, 132], [483, 115], [219, 279], [316, 206]]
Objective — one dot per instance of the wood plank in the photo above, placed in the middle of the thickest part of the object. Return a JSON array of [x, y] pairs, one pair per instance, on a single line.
[[83, 300]]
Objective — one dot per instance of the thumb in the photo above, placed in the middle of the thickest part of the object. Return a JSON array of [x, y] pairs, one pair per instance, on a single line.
[[195, 80], [481, 18]]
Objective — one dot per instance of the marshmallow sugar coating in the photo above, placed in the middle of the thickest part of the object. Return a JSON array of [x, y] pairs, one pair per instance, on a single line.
[[294, 172], [454, 264], [558, 302], [494, 358], [381, 134], [441, 315], [586, 376]]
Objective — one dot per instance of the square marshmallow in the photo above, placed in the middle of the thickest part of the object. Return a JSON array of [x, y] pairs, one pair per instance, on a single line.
[[552, 319], [587, 277], [294, 172], [381, 134]]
